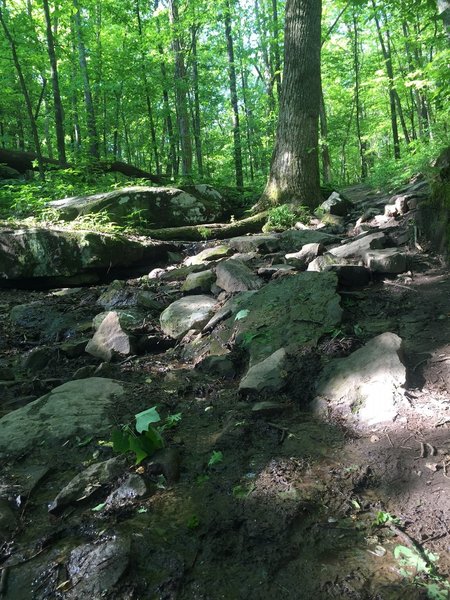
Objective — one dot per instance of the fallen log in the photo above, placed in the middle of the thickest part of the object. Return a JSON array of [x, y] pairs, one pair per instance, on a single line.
[[219, 231], [23, 161]]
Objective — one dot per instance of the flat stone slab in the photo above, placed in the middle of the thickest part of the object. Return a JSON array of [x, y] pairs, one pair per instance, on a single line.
[[255, 243], [269, 375], [293, 240], [192, 312], [389, 260], [364, 388], [209, 254], [359, 247], [76, 408]]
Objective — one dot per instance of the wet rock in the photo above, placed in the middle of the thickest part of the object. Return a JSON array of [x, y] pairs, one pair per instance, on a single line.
[[234, 276], [350, 275], [187, 313], [268, 375], [88, 482], [94, 569], [81, 407], [209, 254], [8, 520], [336, 204], [366, 387], [300, 260], [359, 247], [110, 340], [165, 462], [198, 283], [219, 366], [133, 486], [389, 260], [262, 244]]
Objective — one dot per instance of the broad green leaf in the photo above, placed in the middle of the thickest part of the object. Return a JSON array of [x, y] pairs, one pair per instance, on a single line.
[[120, 441], [145, 418]]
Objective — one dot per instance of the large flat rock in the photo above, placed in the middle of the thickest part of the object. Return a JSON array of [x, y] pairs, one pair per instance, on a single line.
[[151, 206], [76, 408], [58, 253]]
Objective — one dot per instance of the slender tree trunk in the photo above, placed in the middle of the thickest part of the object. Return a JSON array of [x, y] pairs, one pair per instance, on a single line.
[[26, 95], [325, 150], [247, 121], [48, 136], [294, 172], [268, 78], [386, 51], [181, 94], [57, 104], [234, 99], [90, 112], [276, 48], [148, 99], [196, 121], [356, 66]]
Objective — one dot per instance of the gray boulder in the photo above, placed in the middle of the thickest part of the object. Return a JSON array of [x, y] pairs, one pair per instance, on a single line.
[[209, 254], [293, 240], [152, 206], [192, 312], [389, 260], [234, 276], [269, 375], [262, 244], [365, 388], [76, 408]]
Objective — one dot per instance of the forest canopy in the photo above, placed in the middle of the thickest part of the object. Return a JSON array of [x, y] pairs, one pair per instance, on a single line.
[[191, 89]]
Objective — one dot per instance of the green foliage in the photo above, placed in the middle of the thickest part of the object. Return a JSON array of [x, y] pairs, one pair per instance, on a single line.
[[144, 439], [285, 216], [384, 518], [215, 458]]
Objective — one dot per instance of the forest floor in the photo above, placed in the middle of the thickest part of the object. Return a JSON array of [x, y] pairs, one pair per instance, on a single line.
[[297, 508]]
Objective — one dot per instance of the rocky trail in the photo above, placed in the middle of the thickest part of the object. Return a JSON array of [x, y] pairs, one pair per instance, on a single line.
[[303, 449]]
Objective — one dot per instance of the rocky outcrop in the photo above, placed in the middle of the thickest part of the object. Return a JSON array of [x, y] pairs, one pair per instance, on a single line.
[[58, 254], [147, 206]]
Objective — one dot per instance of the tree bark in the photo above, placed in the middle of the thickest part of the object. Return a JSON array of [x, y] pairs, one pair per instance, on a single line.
[[181, 94], [26, 95], [197, 122], [356, 66], [90, 113], [294, 172], [234, 99], [57, 104]]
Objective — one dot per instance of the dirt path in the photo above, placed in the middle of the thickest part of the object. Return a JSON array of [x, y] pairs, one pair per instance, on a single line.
[[292, 507]]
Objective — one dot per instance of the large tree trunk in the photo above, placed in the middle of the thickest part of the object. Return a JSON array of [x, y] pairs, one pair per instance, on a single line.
[[59, 122], [234, 100], [294, 172], [356, 66]]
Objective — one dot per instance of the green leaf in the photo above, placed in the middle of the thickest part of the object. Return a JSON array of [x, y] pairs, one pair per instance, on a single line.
[[145, 418], [120, 441], [99, 507], [137, 447], [241, 314], [215, 458]]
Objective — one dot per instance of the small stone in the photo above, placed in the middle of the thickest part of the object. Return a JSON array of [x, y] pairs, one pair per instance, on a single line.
[[390, 210], [199, 283], [268, 375], [401, 204], [156, 273], [335, 204], [234, 276], [191, 312], [134, 486], [300, 260]]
